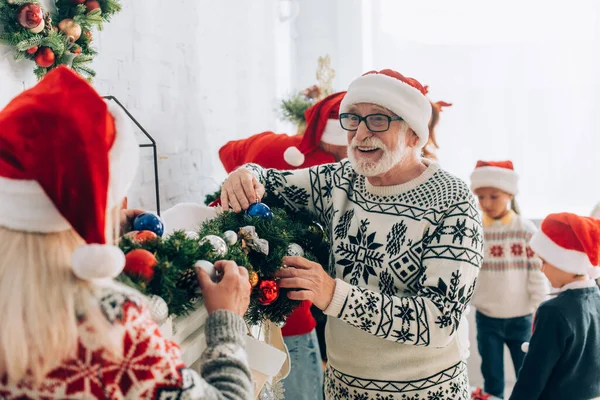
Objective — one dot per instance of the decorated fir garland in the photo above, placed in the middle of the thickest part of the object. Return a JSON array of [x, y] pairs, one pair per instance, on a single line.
[[61, 38], [257, 240], [293, 109]]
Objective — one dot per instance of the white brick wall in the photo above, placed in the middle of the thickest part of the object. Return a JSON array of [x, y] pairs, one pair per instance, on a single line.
[[195, 73]]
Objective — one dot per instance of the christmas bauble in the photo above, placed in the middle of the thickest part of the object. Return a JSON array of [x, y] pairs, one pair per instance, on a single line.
[[159, 310], [268, 292], [30, 15], [192, 235], [45, 57], [140, 263], [208, 267], [230, 237], [70, 28], [218, 244], [259, 210], [38, 28], [295, 249], [144, 236], [32, 50], [253, 278], [149, 222], [76, 49], [92, 5]]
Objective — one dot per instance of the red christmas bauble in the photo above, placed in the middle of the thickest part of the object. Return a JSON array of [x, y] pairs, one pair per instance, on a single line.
[[32, 50], [92, 5], [268, 292], [30, 15], [44, 57], [140, 262], [76, 50], [142, 236]]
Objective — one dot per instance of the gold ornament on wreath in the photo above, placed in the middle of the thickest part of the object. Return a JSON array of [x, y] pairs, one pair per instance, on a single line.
[[60, 37]]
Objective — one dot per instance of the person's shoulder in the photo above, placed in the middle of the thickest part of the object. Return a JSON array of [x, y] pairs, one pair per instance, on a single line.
[[445, 181], [118, 302]]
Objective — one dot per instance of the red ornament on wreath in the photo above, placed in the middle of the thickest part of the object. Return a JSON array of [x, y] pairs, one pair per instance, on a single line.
[[30, 15], [45, 57], [140, 263], [92, 5], [143, 236], [32, 50], [268, 292]]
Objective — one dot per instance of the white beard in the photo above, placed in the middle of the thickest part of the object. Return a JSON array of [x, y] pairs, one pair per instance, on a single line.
[[390, 158]]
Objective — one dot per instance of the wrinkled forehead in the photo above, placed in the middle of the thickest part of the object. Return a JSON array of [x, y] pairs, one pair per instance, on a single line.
[[369, 108]]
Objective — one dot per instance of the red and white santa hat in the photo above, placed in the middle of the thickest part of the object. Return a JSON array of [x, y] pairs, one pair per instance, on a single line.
[[403, 96], [66, 158], [570, 243], [322, 125], [495, 174]]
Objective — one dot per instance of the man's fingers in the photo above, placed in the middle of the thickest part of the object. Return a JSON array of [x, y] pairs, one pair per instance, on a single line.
[[300, 295], [296, 283], [248, 188], [224, 199], [298, 262], [226, 267]]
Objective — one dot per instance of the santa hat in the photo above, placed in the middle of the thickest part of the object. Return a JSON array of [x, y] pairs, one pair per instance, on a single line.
[[496, 174], [322, 125], [66, 157], [570, 243], [403, 96]]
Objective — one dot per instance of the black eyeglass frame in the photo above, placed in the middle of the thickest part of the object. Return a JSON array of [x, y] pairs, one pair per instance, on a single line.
[[365, 119]]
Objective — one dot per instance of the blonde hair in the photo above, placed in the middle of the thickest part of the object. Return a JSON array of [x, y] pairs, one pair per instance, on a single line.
[[41, 301]]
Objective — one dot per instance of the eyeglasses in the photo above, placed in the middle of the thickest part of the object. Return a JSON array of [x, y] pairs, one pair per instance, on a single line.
[[374, 122]]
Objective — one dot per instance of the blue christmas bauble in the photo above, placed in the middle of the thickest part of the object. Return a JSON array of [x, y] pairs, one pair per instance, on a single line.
[[149, 222], [259, 210]]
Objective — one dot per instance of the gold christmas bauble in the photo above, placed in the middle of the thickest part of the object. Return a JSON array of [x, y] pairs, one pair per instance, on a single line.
[[70, 28]]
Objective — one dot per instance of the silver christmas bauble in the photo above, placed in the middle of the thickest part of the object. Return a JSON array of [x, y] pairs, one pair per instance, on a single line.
[[295, 250], [218, 244], [267, 393], [159, 310], [192, 235], [230, 237], [208, 267]]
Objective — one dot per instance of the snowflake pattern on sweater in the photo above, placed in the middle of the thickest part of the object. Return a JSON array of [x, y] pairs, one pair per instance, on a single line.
[[148, 367], [405, 257]]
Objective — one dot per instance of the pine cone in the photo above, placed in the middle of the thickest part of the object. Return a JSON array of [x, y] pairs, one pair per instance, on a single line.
[[188, 280], [48, 23]]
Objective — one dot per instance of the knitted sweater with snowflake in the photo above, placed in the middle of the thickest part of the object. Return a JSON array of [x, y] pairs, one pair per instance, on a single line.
[[149, 366], [406, 258], [511, 283]]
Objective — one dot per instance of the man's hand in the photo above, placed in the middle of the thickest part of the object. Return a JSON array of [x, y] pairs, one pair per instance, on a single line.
[[240, 190], [317, 286]]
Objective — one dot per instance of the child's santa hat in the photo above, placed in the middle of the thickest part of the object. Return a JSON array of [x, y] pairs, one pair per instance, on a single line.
[[66, 157], [570, 243], [403, 96], [496, 174], [322, 125]]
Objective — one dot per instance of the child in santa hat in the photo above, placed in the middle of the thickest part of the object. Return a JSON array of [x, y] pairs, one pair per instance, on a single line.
[[563, 359], [67, 159], [510, 285]]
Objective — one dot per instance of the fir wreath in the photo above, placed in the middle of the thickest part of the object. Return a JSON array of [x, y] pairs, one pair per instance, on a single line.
[[48, 45], [174, 278]]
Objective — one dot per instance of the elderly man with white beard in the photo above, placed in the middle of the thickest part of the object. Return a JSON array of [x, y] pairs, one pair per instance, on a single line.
[[406, 248]]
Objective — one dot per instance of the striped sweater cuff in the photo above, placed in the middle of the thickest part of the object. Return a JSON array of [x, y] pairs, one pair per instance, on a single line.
[[339, 298]]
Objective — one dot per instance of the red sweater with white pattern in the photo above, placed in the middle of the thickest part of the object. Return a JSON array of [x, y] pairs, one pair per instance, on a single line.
[[148, 366]]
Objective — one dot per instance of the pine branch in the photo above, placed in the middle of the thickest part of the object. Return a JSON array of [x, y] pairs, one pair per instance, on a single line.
[[29, 43]]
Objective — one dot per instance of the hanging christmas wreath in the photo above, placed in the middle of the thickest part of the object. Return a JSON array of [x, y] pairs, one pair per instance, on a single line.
[[257, 240], [33, 34]]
